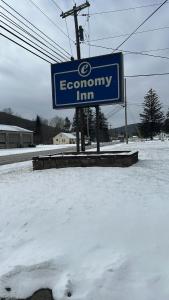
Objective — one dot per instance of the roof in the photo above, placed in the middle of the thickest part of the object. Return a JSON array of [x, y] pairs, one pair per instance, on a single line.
[[68, 135], [13, 128]]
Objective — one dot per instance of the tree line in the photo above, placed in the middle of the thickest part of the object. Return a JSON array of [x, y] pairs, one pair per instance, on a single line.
[[89, 125], [153, 121]]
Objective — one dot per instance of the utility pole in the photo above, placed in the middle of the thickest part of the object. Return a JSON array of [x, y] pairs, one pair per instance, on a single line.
[[125, 107], [74, 12]]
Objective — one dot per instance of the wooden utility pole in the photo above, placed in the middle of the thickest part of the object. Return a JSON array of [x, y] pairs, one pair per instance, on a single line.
[[74, 12], [125, 107]]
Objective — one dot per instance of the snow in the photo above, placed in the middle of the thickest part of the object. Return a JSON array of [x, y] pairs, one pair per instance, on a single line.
[[12, 151], [101, 233], [13, 128], [68, 135]]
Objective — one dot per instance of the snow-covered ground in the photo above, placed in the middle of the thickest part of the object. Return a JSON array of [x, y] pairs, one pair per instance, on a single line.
[[12, 151], [101, 233]]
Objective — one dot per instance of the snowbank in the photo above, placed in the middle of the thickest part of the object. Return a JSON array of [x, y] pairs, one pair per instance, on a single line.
[[12, 151], [100, 233]]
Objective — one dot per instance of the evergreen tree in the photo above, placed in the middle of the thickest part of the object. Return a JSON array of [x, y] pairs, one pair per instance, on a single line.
[[67, 124], [166, 123], [103, 128], [38, 130], [89, 123], [152, 116]]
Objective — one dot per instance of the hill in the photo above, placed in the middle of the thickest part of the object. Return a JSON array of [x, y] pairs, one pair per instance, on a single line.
[[133, 129], [44, 136]]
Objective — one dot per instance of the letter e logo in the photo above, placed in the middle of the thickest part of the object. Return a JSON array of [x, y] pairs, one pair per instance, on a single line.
[[84, 69]]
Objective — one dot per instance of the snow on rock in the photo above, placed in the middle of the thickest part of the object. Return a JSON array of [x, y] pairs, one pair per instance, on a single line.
[[89, 233]]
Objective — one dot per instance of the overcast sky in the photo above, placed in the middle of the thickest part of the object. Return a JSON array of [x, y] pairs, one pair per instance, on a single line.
[[25, 81]]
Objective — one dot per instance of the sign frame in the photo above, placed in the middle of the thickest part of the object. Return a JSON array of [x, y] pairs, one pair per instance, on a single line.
[[113, 61]]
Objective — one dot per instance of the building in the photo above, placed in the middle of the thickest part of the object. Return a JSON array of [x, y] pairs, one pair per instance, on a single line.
[[15, 137], [64, 138]]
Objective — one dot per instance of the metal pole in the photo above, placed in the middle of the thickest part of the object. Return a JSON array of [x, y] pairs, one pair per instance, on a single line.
[[87, 121], [77, 131], [97, 129], [125, 107]]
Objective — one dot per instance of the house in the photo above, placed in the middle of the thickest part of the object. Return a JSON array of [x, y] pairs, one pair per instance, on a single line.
[[64, 138], [15, 137]]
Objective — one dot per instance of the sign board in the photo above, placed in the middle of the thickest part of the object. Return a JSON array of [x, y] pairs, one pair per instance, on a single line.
[[88, 82]]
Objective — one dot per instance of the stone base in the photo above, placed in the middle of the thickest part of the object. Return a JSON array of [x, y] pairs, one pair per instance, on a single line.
[[86, 159]]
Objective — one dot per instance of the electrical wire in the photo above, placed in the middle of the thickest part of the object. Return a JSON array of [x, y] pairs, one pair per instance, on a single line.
[[54, 57], [67, 54], [29, 34], [56, 25], [24, 47], [154, 50], [147, 75], [142, 23], [126, 34], [15, 35], [139, 104], [122, 10], [36, 32], [69, 38], [131, 52], [146, 54], [54, 2], [58, 7], [115, 111]]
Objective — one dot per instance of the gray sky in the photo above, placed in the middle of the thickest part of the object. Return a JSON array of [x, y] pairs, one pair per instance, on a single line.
[[25, 81]]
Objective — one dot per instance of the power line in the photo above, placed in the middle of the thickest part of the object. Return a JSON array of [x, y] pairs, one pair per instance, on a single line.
[[131, 52], [15, 35], [29, 34], [122, 10], [126, 34], [147, 75], [54, 2], [67, 53], [58, 27], [54, 57], [141, 104], [69, 37], [146, 54], [114, 111], [24, 47], [36, 32], [154, 50], [140, 25]]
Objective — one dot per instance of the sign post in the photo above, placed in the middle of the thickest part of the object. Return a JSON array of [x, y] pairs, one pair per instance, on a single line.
[[88, 82]]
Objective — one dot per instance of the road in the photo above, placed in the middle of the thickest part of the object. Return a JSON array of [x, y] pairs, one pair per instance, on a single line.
[[14, 158]]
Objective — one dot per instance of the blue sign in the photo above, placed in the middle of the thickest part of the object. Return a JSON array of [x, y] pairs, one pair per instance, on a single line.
[[88, 82]]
